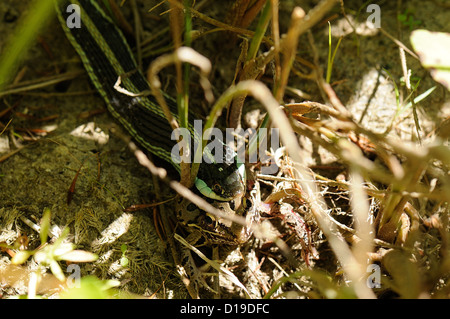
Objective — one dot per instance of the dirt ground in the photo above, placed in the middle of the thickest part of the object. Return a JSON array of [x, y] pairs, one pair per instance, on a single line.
[[40, 174]]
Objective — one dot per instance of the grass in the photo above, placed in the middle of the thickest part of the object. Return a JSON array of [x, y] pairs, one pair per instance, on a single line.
[[331, 56], [23, 38], [382, 219]]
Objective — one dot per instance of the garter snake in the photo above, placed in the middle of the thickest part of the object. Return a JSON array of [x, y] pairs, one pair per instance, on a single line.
[[106, 56]]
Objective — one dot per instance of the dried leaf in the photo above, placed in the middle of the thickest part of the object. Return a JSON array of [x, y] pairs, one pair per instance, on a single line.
[[45, 225], [21, 257], [79, 256], [432, 49]]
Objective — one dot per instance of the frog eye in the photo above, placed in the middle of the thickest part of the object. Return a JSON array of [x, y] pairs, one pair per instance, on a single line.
[[217, 189], [191, 207], [210, 220]]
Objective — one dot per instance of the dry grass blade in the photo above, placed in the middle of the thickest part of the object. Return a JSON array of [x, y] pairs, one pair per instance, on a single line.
[[183, 54], [212, 21], [8, 155], [364, 231], [289, 51], [213, 264], [361, 191], [23, 87], [311, 193], [288, 46]]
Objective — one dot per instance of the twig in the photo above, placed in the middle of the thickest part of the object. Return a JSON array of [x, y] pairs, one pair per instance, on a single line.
[[138, 32], [8, 155], [212, 21], [39, 83], [289, 50], [404, 47], [183, 54]]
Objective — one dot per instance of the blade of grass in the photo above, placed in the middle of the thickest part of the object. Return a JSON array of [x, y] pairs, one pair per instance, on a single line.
[[417, 99], [311, 195], [331, 56], [23, 37], [27, 86], [261, 28], [212, 21], [45, 225], [364, 228], [6, 126], [183, 111], [183, 54]]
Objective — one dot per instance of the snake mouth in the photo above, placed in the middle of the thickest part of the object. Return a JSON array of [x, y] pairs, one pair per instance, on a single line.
[[234, 186], [223, 189]]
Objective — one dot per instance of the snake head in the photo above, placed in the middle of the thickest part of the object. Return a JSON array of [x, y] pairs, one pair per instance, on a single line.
[[234, 185], [222, 182]]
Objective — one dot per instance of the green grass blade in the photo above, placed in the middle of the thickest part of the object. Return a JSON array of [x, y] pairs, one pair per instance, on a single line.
[[23, 37], [261, 28], [331, 56]]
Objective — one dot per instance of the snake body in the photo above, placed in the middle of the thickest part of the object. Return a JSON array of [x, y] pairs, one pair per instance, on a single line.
[[107, 56]]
